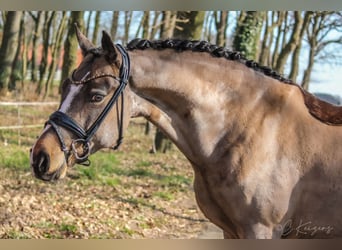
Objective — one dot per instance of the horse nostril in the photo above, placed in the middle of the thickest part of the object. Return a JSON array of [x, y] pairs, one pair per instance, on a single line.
[[42, 164]]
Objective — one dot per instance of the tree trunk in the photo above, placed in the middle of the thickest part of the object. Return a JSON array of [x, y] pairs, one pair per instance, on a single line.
[[281, 32], [71, 45], [307, 72], [271, 22], [295, 57], [221, 22], [155, 26], [16, 73], [36, 34], [146, 25], [24, 65], [168, 24], [128, 20], [88, 24], [247, 34], [291, 44], [114, 27], [189, 24], [55, 53], [43, 67], [8, 48], [96, 27]]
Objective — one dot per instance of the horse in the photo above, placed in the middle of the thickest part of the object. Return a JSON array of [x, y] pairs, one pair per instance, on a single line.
[[266, 154]]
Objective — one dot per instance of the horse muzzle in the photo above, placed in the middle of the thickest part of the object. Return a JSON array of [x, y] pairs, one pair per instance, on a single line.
[[47, 160]]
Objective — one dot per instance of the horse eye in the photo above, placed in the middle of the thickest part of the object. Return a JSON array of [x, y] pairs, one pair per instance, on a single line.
[[97, 98]]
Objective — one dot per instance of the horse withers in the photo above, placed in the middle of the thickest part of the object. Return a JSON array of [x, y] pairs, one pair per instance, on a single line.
[[266, 154]]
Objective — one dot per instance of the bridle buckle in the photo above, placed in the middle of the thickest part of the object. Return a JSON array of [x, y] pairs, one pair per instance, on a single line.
[[81, 149]]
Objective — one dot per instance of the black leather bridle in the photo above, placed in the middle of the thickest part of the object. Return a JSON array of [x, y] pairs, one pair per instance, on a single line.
[[60, 119]]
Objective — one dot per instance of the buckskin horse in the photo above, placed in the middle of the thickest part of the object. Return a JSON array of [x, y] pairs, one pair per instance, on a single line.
[[266, 154]]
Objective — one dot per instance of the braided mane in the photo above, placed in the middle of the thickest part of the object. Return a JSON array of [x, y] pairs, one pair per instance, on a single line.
[[204, 46], [321, 110]]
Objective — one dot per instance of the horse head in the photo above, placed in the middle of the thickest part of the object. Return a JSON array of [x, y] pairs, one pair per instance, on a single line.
[[92, 112]]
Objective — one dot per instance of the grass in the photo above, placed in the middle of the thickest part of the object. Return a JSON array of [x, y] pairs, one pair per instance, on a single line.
[[164, 195], [15, 157]]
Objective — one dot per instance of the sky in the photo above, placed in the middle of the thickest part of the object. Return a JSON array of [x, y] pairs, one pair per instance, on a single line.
[[327, 79]]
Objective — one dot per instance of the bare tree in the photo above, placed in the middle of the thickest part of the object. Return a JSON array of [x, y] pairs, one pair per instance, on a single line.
[[155, 25], [273, 20], [88, 25], [189, 24], [322, 23], [17, 73], [96, 26], [8, 48], [49, 17], [292, 43], [297, 51], [71, 45], [221, 23], [37, 18], [56, 49], [168, 24], [114, 27], [128, 20]]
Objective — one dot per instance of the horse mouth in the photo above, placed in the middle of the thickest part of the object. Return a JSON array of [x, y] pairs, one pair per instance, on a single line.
[[53, 176]]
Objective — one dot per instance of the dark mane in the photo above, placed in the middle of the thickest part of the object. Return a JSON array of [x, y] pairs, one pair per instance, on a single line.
[[204, 46], [320, 109]]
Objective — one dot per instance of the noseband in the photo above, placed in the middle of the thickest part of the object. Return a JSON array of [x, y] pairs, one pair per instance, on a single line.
[[60, 119]]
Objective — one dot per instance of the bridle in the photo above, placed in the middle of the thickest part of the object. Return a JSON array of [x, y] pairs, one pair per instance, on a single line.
[[60, 119]]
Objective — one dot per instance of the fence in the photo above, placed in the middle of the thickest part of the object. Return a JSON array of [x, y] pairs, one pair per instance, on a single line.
[[18, 126]]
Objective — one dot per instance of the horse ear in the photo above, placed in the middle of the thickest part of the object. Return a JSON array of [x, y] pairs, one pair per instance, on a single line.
[[83, 41], [109, 47]]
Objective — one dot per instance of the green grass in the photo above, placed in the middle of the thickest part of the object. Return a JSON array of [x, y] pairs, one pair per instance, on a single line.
[[16, 158], [164, 195], [68, 228], [13, 234]]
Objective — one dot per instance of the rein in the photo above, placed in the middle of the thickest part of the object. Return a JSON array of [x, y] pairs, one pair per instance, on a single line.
[[60, 119]]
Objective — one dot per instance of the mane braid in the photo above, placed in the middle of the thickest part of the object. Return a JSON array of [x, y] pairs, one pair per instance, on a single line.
[[204, 46]]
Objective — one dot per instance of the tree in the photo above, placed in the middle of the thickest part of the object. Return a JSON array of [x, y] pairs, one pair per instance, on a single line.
[[297, 51], [37, 18], [221, 24], [189, 24], [18, 64], [49, 17], [56, 49], [96, 26], [247, 33], [273, 20], [127, 25], [317, 31], [8, 48], [295, 39], [168, 24], [114, 27], [71, 44]]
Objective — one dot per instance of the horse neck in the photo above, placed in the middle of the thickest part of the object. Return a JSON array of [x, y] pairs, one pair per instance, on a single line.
[[196, 98]]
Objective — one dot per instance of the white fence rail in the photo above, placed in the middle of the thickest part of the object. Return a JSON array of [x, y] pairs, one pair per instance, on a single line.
[[18, 104], [27, 103]]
